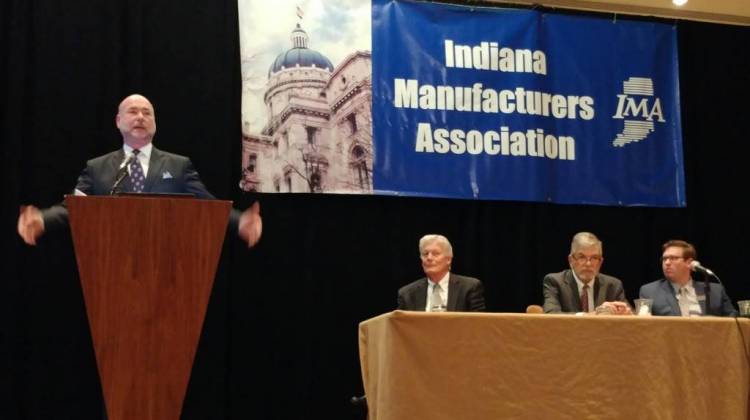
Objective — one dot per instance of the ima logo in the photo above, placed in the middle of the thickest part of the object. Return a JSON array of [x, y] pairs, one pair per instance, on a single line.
[[639, 108]]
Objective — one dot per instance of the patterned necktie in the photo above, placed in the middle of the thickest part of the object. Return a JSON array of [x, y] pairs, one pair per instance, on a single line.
[[585, 298], [437, 302], [683, 301], [137, 178]]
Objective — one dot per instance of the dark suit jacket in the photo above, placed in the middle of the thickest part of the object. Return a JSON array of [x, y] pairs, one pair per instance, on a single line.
[[665, 299], [561, 291], [167, 173], [465, 294]]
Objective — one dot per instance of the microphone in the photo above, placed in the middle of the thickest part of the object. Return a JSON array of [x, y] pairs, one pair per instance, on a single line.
[[122, 173], [695, 265]]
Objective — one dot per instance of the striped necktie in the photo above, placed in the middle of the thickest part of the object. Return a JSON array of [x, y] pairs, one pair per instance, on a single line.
[[436, 304]]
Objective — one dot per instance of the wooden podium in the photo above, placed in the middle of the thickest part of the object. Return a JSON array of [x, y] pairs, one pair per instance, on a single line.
[[147, 266]]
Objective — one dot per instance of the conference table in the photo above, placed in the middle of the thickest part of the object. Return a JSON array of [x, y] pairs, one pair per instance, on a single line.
[[475, 366]]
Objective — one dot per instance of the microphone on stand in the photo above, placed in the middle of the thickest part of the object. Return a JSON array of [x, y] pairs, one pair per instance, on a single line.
[[122, 173], [696, 266]]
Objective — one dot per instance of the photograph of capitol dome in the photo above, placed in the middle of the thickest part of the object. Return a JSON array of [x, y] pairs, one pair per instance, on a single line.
[[306, 97]]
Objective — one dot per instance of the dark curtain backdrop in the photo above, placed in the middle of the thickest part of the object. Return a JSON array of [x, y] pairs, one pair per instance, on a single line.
[[280, 337]]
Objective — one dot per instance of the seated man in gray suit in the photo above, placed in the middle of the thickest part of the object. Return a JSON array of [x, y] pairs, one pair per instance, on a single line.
[[440, 290], [677, 294], [583, 288], [137, 166]]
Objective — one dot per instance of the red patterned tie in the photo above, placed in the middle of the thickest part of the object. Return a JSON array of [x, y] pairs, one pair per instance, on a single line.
[[585, 299]]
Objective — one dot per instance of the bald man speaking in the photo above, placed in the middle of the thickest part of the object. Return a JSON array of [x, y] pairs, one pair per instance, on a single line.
[[137, 167]]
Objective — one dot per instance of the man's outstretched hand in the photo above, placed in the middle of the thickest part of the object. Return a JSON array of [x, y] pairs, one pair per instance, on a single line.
[[31, 224], [251, 225]]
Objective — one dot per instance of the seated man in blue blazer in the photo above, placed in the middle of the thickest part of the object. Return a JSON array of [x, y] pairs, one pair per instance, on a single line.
[[582, 288], [136, 167], [440, 290], [677, 294]]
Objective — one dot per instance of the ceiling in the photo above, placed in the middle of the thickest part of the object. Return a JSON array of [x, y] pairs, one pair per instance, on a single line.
[[735, 12]]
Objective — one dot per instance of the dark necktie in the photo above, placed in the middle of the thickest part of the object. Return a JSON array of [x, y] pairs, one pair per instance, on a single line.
[[585, 299], [137, 178]]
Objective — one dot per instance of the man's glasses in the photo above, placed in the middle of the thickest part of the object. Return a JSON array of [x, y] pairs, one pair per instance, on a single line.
[[670, 258], [581, 259]]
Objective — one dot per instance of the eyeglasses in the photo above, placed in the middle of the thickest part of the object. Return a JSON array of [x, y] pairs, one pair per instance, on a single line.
[[671, 258], [581, 259]]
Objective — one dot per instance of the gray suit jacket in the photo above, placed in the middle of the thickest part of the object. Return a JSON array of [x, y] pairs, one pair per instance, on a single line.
[[561, 292], [665, 299], [465, 294], [167, 173]]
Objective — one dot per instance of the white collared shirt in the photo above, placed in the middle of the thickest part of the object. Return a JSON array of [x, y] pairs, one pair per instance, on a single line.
[[580, 290], [691, 297], [143, 156], [443, 290]]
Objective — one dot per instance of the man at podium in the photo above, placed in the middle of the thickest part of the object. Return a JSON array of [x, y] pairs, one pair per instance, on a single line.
[[137, 167]]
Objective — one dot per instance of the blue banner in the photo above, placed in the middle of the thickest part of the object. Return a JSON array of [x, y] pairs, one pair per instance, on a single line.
[[509, 104]]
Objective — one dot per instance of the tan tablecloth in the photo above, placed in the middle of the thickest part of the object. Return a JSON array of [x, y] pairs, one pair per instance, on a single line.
[[418, 365]]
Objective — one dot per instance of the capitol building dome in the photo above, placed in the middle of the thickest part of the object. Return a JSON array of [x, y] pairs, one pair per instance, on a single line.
[[318, 131], [300, 55]]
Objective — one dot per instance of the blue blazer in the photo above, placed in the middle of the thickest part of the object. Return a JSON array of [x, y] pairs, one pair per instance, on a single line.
[[665, 299]]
